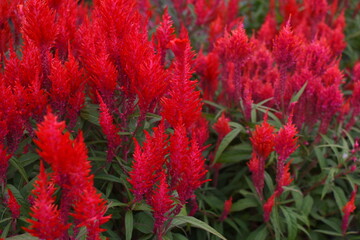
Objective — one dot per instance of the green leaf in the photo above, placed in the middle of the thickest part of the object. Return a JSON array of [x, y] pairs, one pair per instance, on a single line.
[[225, 143], [328, 183], [307, 205], [6, 230], [329, 232], [291, 222], [20, 168], [108, 177], [296, 97], [260, 233], [181, 220], [144, 222], [243, 204], [25, 236], [129, 224], [339, 197]]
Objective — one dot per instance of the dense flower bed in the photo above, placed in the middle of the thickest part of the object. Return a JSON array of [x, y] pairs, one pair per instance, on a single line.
[[206, 119]]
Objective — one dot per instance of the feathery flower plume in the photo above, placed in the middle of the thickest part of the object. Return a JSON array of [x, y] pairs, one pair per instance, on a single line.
[[110, 130], [227, 209], [268, 206], [148, 162], [161, 203], [347, 210], [69, 161], [46, 223], [4, 164], [183, 101], [13, 205], [285, 145], [222, 127], [263, 139]]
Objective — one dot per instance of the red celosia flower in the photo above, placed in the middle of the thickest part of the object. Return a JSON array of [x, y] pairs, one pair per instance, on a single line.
[[227, 209], [268, 206], [286, 140], [90, 209], [69, 161], [148, 162], [257, 168], [263, 139], [208, 69], [47, 224], [110, 130], [222, 126], [183, 103], [4, 164], [235, 47], [39, 23], [285, 145], [186, 165], [164, 34], [285, 179], [13, 205], [161, 203], [347, 210], [148, 78]]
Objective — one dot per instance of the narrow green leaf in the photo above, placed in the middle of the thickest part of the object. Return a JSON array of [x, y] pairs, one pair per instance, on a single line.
[[108, 177], [307, 205], [225, 143], [296, 97], [25, 236], [329, 232], [129, 224], [243, 204], [6, 230], [181, 220], [339, 197], [328, 183], [18, 167], [291, 222], [260, 233]]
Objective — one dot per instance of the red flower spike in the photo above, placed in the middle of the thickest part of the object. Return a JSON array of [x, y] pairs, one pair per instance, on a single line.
[[285, 145], [186, 165], [227, 209], [263, 139], [347, 210], [13, 205], [69, 161], [90, 209], [110, 130], [256, 166], [47, 224], [285, 180], [183, 102], [39, 23], [208, 69], [164, 34], [148, 162], [268, 206], [286, 140], [4, 164], [161, 203], [235, 46], [148, 79], [222, 127]]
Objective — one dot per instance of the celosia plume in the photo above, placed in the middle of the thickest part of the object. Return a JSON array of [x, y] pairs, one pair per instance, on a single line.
[[148, 162], [46, 223], [13, 205], [347, 210], [161, 203]]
